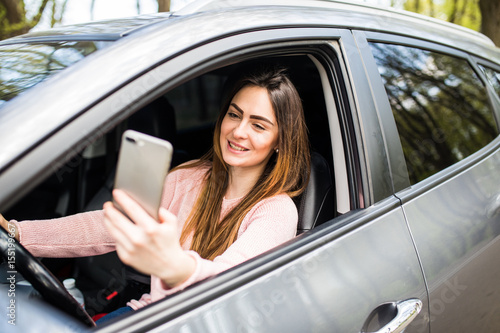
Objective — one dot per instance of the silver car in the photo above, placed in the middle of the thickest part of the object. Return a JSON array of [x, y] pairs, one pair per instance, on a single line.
[[399, 227]]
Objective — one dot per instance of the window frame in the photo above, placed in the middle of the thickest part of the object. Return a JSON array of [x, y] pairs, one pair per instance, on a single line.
[[494, 96]]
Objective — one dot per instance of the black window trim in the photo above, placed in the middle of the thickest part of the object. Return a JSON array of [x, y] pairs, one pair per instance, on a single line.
[[494, 96]]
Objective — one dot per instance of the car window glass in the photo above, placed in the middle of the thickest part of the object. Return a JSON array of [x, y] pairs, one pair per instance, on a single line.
[[441, 107], [494, 78], [24, 66]]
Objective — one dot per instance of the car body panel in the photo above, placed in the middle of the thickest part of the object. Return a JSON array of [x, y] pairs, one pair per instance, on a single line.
[[456, 227]]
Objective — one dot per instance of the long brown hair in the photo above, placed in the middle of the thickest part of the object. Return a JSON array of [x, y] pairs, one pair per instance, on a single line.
[[286, 171]]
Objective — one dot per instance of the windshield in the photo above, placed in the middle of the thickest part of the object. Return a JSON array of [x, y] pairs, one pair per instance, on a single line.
[[24, 65]]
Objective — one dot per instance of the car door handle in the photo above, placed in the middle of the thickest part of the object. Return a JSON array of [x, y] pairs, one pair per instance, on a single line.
[[394, 317]]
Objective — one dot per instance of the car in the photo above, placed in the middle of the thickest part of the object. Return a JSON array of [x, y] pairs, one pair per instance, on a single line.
[[398, 228]]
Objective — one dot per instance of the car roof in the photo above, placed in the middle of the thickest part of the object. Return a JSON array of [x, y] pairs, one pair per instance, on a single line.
[[369, 11], [361, 16]]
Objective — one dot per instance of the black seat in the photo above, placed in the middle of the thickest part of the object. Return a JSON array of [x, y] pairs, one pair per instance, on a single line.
[[316, 204]]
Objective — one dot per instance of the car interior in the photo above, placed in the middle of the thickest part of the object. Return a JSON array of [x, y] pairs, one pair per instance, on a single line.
[[185, 116]]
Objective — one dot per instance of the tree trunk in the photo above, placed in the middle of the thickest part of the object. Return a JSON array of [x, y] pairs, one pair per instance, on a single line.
[[14, 10], [490, 22], [163, 5], [431, 9], [14, 21], [454, 12]]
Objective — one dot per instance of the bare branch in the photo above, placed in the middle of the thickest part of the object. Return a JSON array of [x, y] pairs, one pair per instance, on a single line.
[[34, 21]]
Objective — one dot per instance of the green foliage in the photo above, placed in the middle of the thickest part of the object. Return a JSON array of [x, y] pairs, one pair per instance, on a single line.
[[15, 21], [463, 12]]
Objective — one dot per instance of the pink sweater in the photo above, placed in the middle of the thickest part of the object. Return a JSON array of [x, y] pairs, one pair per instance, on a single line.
[[269, 223]]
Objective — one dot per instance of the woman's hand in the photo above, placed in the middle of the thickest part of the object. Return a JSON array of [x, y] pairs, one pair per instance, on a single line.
[[10, 227], [149, 246]]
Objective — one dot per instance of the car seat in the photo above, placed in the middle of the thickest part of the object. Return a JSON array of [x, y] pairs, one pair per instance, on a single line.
[[316, 204]]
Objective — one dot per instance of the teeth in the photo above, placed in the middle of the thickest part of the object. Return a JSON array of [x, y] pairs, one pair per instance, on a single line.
[[236, 147]]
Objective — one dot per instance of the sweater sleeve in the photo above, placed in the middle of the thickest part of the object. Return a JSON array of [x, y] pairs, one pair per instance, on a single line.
[[77, 235], [270, 223]]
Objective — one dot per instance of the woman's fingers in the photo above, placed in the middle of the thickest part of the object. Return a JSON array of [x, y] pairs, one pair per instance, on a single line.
[[10, 227], [4, 223], [166, 217], [149, 246], [133, 210], [119, 226]]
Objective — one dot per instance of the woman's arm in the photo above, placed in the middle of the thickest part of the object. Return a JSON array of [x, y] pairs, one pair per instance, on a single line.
[[77, 235]]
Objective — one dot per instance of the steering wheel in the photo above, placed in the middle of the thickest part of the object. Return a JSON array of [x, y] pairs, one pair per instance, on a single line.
[[51, 289]]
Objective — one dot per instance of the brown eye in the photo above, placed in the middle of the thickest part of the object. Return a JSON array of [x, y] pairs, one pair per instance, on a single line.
[[259, 127]]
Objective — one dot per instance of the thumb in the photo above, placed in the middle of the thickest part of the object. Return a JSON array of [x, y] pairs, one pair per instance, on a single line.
[[166, 217]]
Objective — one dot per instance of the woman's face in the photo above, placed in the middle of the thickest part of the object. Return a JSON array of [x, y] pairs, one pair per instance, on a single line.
[[249, 131]]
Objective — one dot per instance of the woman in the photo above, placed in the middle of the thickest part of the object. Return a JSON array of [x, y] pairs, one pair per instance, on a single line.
[[231, 205]]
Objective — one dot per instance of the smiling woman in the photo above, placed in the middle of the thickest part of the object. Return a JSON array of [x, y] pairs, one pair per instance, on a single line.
[[245, 164], [248, 138], [231, 205]]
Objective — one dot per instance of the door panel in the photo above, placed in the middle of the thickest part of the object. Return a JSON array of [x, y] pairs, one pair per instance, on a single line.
[[456, 227], [453, 204], [331, 289]]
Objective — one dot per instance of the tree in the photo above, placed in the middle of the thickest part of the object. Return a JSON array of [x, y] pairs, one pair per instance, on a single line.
[[479, 15], [490, 24], [13, 20], [163, 5]]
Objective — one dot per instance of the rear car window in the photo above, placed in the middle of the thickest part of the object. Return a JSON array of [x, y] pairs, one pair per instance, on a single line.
[[24, 65], [494, 78], [440, 105]]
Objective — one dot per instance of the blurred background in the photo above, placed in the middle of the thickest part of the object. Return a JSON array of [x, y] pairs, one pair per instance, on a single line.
[[20, 16]]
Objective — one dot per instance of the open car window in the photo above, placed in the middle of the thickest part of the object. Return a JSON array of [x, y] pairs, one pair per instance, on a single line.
[[185, 116]]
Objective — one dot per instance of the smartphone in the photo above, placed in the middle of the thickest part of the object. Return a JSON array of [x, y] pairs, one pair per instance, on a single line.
[[143, 164]]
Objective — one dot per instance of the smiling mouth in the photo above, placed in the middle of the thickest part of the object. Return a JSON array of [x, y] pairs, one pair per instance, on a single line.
[[235, 147]]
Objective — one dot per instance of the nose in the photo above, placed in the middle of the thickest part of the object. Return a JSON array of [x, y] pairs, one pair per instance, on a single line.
[[239, 131]]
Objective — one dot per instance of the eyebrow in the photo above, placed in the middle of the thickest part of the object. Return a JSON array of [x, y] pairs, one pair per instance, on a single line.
[[252, 116]]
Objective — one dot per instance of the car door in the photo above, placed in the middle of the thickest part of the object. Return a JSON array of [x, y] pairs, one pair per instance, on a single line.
[[448, 130]]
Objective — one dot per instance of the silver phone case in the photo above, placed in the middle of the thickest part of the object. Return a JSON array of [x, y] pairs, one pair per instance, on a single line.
[[143, 164]]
